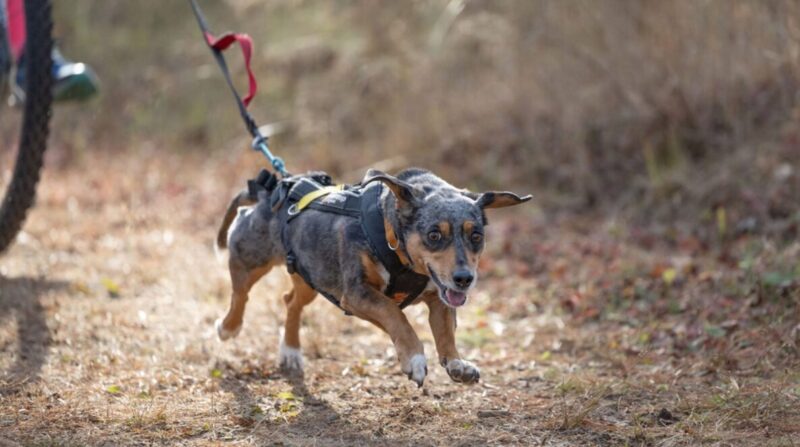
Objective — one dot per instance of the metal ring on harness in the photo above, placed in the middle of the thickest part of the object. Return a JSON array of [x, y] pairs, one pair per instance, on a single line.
[[292, 210]]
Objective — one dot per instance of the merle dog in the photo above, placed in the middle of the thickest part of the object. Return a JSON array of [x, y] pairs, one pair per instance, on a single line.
[[436, 228]]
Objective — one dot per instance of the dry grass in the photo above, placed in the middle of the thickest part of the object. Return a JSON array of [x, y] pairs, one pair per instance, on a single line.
[[583, 335]]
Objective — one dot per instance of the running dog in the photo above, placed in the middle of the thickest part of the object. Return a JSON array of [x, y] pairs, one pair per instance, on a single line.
[[436, 230]]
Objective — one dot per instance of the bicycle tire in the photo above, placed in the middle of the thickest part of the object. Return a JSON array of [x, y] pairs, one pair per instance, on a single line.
[[20, 193]]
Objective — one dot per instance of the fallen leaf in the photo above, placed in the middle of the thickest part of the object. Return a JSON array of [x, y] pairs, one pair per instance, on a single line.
[[111, 286], [722, 221], [669, 276], [113, 389], [286, 395]]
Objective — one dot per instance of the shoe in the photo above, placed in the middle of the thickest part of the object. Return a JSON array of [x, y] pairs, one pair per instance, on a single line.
[[72, 81]]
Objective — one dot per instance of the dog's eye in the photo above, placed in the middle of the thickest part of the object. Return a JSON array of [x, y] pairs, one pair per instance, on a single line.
[[434, 236], [476, 238]]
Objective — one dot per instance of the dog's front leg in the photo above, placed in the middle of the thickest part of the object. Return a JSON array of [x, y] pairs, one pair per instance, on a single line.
[[369, 304], [443, 325]]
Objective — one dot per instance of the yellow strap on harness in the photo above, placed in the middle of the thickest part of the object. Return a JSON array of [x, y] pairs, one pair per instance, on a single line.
[[314, 195]]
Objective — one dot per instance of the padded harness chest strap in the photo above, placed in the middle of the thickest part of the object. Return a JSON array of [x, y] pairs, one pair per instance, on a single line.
[[404, 283]]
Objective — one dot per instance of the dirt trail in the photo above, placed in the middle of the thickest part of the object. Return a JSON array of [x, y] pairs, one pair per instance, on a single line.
[[587, 333]]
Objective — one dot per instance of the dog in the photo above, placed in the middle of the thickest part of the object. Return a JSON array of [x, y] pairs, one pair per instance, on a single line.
[[434, 228]]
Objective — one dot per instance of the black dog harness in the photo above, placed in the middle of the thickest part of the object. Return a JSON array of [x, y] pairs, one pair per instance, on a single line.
[[290, 196]]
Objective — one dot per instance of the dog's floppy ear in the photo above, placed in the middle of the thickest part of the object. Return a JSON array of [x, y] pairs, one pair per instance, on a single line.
[[405, 192], [498, 199]]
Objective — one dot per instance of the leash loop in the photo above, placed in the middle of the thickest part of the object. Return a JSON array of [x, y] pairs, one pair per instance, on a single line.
[[219, 44]]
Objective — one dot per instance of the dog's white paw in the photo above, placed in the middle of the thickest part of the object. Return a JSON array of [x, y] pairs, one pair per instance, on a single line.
[[223, 333], [417, 369], [291, 359], [463, 371]]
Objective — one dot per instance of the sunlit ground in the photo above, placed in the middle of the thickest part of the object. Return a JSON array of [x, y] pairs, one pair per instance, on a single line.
[[588, 332]]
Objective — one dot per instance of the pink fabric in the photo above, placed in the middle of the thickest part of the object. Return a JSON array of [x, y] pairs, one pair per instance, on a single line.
[[246, 44], [16, 26]]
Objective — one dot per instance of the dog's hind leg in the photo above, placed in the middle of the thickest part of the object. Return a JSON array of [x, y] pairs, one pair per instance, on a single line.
[[291, 357], [242, 280]]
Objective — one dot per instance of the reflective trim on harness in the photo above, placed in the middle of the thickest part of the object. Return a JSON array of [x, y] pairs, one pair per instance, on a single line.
[[314, 195]]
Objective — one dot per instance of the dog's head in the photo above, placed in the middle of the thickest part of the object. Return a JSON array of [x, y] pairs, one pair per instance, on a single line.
[[443, 227]]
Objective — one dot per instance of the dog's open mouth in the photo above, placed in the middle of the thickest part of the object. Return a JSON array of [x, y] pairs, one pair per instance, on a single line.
[[452, 298]]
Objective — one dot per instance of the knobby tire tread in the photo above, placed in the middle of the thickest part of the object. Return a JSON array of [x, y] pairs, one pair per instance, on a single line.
[[20, 194]]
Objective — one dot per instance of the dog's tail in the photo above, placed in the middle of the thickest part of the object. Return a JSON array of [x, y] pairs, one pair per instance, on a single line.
[[241, 199]]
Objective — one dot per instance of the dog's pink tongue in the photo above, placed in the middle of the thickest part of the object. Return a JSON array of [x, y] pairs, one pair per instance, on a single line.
[[456, 298]]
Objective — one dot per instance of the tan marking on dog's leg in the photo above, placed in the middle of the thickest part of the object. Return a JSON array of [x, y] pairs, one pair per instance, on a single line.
[[300, 296], [384, 313], [378, 325], [290, 356], [443, 325], [372, 275], [242, 281]]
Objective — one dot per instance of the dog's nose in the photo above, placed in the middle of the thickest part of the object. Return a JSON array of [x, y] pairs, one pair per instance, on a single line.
[[463, 278]]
